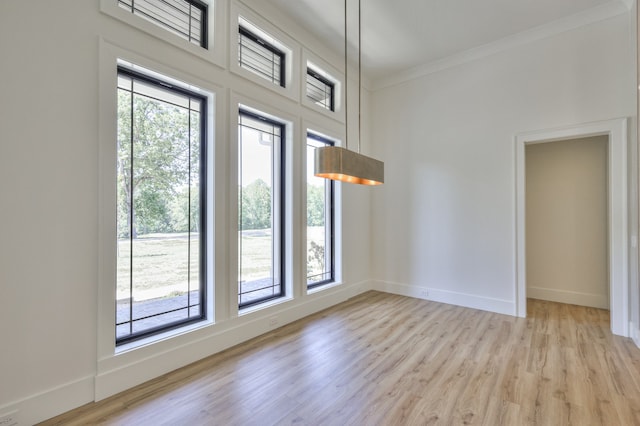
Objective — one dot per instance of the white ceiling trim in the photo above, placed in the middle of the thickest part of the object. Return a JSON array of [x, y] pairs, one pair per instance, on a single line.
[[596, 14]]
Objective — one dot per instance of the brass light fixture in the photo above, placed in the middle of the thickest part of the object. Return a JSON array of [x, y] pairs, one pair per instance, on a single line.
[[337, 163]]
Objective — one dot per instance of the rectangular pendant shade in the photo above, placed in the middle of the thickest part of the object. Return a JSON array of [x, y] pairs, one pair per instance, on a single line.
[[336, 163]]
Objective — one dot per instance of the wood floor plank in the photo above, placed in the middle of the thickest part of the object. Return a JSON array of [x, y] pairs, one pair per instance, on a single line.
[[501, 413], [381, 359], [472, 404]]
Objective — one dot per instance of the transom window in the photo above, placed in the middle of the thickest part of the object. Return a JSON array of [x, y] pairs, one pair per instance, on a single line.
[[260, 57], [260, 209], [161, 208], [185, 18], [320, 90], [320, 220]]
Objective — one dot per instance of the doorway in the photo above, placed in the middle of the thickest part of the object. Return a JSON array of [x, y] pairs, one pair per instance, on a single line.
[[566, 223], [615, 131]]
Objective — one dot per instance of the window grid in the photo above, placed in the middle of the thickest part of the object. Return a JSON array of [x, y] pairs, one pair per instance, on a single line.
[[267, 283], [185, 18], [320, 242], [136, 319], [260, 57], [320, 90]]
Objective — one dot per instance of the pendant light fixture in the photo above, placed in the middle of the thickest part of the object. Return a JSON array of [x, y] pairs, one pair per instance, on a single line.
[[337, 163]]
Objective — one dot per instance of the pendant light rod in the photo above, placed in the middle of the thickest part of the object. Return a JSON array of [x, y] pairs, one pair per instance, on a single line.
[[346, 75], [359, 75], [346, 81]]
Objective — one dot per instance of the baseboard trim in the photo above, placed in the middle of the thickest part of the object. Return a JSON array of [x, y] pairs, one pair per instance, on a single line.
[[635, 333], [499, 306], [124, 377], [569, 297], [50, 403]]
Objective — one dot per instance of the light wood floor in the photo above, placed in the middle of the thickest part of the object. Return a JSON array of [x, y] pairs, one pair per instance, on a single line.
[[392, 360]]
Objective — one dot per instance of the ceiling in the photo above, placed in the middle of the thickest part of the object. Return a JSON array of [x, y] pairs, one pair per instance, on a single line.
[[401, 34]]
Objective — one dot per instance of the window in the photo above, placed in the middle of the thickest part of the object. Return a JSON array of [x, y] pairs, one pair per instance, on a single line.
[[260, 57], [186, 18], [260, 209], [320, 220], [320, 90], [161, 177]]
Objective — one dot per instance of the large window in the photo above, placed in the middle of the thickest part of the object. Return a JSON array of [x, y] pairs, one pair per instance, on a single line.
[[161, 176], [260, 209], [185, 18], [320, 220], [257, 55]]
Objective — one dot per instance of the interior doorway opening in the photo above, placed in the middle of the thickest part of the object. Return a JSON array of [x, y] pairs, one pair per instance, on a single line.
[[566, 221], [617, 254]]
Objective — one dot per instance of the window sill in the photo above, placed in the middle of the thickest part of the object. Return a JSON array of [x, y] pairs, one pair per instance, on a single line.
[[323, 287], [265, 305], [161, 337]]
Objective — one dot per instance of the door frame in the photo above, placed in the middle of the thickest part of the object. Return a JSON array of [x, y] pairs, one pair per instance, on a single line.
[[616, 130]]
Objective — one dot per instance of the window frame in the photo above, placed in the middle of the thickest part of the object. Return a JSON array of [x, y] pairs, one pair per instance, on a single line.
[[118, 368], [330, 73], [167, 85], [217, 33], [200, 5], [281, 255], [256, 23], [247, 33], [322, 79], [330, 214]]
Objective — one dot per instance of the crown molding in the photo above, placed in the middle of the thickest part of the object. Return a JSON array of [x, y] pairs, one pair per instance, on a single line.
[[590, 16]]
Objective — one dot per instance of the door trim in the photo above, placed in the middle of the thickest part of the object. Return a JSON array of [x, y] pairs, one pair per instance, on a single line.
[[616, 130]]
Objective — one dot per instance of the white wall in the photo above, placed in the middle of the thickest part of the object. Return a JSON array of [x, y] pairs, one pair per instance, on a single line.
[[634, 293], [566, 221], [50, 79], [444, 222], [48, 159]]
